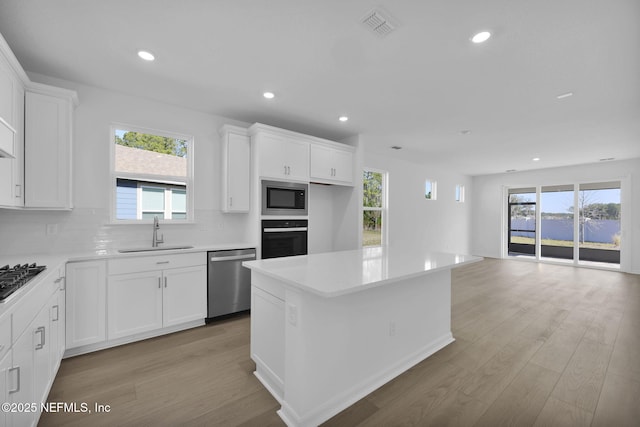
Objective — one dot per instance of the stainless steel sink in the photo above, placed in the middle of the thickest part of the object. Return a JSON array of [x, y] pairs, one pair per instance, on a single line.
[[148, 249]]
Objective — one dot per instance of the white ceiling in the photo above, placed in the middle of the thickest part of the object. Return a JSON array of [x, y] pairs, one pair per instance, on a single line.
[[418, 87]]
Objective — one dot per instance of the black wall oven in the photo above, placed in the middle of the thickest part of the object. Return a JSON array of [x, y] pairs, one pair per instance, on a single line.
[[284, 237], [284, 198]]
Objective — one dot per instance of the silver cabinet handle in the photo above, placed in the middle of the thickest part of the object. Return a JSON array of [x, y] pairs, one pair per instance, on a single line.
[[57, 313], [42, 332], [165, 281], [18, 191], [159, 282], [17, 370], [230, 201], [162, 262], [285, 169]]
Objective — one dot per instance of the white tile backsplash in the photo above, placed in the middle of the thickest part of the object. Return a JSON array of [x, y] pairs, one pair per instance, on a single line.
[[25, 232]]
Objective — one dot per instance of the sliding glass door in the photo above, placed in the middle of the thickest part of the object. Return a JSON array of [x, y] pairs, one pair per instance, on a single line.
[[576, 223], [522, 222], [599, 225], [556, 225]]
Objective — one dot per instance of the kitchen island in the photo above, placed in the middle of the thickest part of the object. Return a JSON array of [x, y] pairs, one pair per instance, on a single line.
[[328, 329]]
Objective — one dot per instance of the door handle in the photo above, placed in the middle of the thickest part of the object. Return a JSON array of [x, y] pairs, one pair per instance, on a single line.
[[17, 370], [57, 313], [42, 332], [165, 281], [159, 282]]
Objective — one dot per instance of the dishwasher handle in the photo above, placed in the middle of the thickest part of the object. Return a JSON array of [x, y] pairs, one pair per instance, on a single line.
[[232, 258]]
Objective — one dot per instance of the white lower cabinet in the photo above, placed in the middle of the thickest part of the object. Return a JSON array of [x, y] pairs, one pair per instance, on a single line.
[[126, 299], [268, 337], [150, 293], [28, 369], [21, 378], [134, 304], [86, 299], [184, 296], [5, 366]]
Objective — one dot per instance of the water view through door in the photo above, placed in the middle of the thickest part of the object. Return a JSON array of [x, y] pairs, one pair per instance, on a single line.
[[576, 223]]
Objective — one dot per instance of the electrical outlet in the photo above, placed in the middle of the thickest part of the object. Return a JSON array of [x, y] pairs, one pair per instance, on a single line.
[[52, 229], [392, 329]]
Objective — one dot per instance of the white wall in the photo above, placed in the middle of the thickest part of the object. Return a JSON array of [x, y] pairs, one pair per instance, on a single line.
[[437, 225], [87, 227], [489, 206]]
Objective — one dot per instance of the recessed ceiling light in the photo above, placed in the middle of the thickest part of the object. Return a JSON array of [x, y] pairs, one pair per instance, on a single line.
[[343, 118], [147, 56], [481, 37], [564, 95], [465, 132], [269, 95], [536, 159]]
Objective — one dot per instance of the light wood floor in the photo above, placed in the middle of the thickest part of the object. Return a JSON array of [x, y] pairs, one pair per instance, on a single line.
[[536, 344]]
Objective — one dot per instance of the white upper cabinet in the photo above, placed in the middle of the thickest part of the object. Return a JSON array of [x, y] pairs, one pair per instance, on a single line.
[[12, 79], [48, 143], [236, 169], [331, 165], [282, 157]]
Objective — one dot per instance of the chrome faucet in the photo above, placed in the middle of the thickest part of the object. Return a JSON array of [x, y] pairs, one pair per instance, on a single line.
[[156, 227]]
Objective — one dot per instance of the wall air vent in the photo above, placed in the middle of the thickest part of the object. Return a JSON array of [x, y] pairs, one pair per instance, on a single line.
[[378, 22]]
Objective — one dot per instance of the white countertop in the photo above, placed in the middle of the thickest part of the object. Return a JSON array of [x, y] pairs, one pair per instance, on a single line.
[[56, 263], [338, 273]]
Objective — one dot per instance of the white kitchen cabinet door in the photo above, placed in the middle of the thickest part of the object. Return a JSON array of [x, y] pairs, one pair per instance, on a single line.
[[42, 344], [283, 158], [7, 84], [12, 169], [86, 299], [268, 337], [47, 157], [134, 303], [21, 378], [185, 295], [5, 375], [236, 170], [330, 165]]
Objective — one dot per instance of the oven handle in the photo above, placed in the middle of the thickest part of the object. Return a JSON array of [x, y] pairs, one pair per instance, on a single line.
[[233, 257], [283, 230]]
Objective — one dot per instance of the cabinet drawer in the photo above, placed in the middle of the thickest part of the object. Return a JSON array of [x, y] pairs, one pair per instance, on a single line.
[[31, 303], [156, 262], [5, 334]]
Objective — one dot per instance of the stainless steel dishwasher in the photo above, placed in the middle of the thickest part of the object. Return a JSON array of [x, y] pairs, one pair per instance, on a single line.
[[228, 282]]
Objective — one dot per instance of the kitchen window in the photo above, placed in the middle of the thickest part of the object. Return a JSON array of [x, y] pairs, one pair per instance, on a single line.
[[374, 207], [151, 174]]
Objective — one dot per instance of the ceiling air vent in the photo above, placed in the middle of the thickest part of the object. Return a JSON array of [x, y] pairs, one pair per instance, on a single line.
[[378, 22]]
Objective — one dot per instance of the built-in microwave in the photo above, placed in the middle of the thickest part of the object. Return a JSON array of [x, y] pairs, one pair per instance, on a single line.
[[284, 198]]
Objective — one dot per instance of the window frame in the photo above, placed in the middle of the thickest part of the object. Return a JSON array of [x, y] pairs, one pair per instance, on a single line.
[[384, 233], [148, 180], [434, 189]]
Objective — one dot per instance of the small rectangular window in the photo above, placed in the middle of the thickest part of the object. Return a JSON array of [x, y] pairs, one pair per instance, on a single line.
[[460, 193], [430, 190]]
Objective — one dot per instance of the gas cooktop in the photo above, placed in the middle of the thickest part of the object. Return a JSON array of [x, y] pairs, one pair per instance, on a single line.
[[13, 278]]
